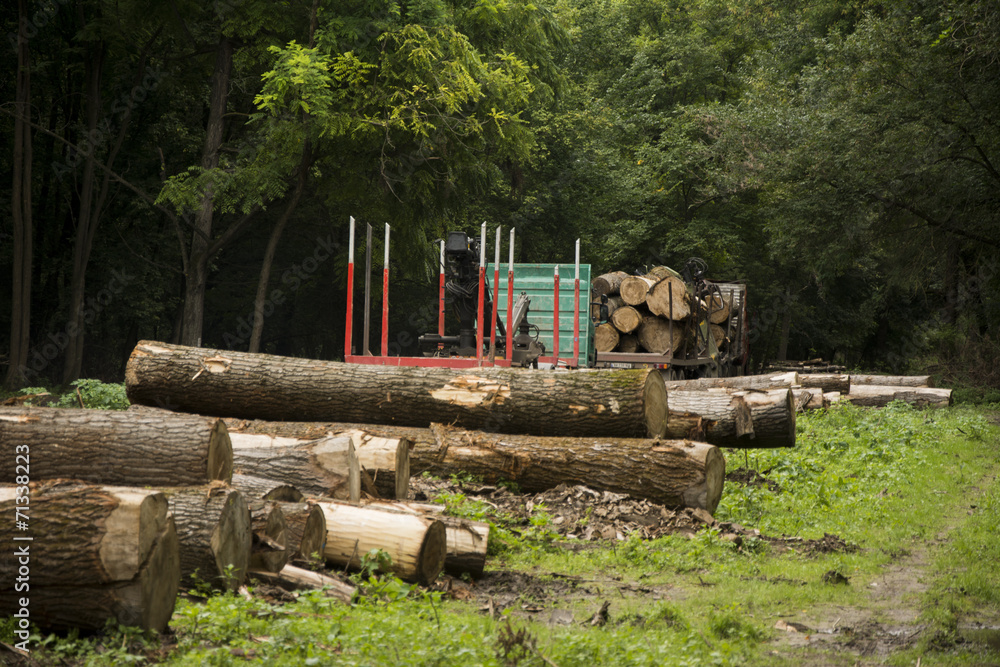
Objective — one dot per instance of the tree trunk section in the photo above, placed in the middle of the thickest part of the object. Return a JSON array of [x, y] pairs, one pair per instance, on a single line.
[[261, 488], [826, 382], [718, 309], [626, 403], [633, 289], [608, 283], [385, 461], [626, 319], [417, 545], [659, 336], [628, 343], [773, 415], [873, 395], [297, 578], [213, 528], [305, 531], [754, 382], [605, 337], [149, 448], [98, 553], [717, 417], [325, 467], [893, 380], [670, 292], [268, 546]]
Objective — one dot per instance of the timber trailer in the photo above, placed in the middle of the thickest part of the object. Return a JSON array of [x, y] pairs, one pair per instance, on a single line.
[[550, 321]]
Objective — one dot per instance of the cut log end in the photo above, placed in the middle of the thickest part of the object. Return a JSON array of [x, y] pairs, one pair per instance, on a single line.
[[655, 409], [605, 337], [230, 539], [433, 553], [220, 453], [715, 478], [160, 580]]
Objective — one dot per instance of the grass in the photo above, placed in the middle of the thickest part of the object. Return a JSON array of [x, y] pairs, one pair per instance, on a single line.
[[888, 481]]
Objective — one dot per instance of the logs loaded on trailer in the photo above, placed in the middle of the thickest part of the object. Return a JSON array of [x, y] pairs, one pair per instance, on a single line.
[[626, 403], [98, 553], [147, 448]]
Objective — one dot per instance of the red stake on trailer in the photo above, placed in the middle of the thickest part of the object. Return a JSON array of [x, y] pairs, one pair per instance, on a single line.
[[385, 296], [576, 310], [496, 295], [482, 286], [349, 326], [441, 297], [510, 300], [555, 321]]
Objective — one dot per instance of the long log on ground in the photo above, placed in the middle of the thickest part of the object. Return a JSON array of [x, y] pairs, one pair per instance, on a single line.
[[634, 289], [626, 319], [214, 532], [305, 531], [753, 382], [236, 384], [718, 417], [672, 473], [261, 488], [894, 380], [327, 466], [608, 283], [606, 337], [416, 544], [669, 298], [98, 553], [268, 548], [826, 382], [297, 578], [114, 447], [873, 395]]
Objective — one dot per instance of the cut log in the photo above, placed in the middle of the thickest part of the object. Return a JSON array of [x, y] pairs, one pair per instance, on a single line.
[[634, 289], [613, 303], [608, 283], [260, 488], [627, 403], [773, 415], [305, 531], [297, 578], [718, 308], [807, 399], [386, 461], [894, 380], [660, 272], [98, 553], [826, 382], [626, 319], [718, 335], [114, 447], [416, 544], [213, 529], [753, 382], [268, 548], [628, 343], [718, 417], [873, 395], [605, 337], [832, 397], [326, 466], [669, 298], [659, 336]]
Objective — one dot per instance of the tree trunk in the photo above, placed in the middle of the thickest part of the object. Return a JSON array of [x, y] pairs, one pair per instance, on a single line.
[[826, 382], [605, 337], [773, 415], [261, 488], [201, 240], [669, 292], [626, 319], [634, 289], [147, 448], [608, 283], [873, 395], [417, 545], [268, 546], [893, 380], [386, 462], [755, 382], [98, 553], [20, 199], [213, 528], [324, 467], [624, 403], [296, 578], [305, 531], [628, 343], [659, 336], [717, 417]]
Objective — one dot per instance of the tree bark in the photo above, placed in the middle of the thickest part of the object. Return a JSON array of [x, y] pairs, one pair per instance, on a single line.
[[873, 395], [669, 292], [659, 336], [893, 380], [755, 382], [305, 531], [628, 343], [624, 403], [826, 382], [634, 289], [297, 578], [213, 528], [773, 415], [385, 461], [261, 488], [417, 545], [327, 466], [718, 308], [626, 319], [717, 417], [143, 448], [268, 546], [605, 337], [608, 283], [97, 553]]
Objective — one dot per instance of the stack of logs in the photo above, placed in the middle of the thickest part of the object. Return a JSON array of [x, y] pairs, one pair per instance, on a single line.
[[649, 313]]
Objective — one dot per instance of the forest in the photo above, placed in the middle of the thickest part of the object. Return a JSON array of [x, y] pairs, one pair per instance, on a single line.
[[186, 171]]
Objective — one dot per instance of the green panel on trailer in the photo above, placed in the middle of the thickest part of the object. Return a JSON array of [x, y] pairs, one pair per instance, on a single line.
[[538, 281]]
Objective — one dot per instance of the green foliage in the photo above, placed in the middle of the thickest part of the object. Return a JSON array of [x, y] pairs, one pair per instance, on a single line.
[[92, 394]]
